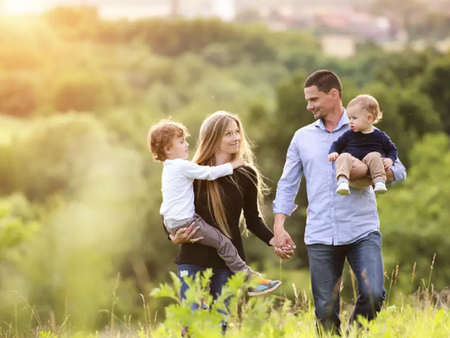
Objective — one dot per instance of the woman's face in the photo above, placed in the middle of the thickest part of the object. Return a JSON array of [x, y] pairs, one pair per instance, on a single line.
[[231, 139]]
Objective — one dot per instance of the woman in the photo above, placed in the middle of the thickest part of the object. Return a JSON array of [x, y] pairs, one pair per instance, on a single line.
[[221, 202]]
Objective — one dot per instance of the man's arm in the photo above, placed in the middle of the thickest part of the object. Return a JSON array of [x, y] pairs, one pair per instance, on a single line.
[[389, 147], [287, 190], [397, 173]]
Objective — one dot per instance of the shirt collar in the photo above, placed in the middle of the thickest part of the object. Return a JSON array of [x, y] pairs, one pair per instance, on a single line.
[[342, 122]]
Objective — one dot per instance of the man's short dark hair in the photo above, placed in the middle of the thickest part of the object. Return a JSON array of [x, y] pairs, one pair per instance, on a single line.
[[324, 80]]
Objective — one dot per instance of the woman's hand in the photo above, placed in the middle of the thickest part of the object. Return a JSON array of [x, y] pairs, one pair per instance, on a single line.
[[284, 252], [186, 235]]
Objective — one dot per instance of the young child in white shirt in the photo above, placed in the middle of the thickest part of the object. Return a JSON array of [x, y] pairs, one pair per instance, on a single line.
[[167, 143]]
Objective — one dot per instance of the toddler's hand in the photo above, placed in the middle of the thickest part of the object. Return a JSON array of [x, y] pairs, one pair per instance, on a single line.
[[333, 157], [238, 162], [387, 163]]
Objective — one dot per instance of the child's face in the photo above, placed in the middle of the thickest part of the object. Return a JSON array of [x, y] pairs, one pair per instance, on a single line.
[[360, 119], [179, 149]]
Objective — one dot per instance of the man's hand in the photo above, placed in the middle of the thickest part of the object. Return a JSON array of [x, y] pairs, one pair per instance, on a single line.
[[333, 157], [186, 235], [282, 239], [283, 244], [387, 163]]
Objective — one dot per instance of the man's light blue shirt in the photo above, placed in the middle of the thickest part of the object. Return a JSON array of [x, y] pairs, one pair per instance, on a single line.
[[331, 218]]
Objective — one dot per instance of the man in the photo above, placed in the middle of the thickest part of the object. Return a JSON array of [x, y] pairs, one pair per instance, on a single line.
[[337, 227]]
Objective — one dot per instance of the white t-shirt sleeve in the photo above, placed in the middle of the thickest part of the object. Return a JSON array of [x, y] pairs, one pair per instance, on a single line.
[[204, 172]]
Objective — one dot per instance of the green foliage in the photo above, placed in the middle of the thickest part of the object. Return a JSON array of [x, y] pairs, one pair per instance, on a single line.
[[425, 198], [77, 163], [435, 86], [13, 230], [251, 316], [265, 317], [81, 92]]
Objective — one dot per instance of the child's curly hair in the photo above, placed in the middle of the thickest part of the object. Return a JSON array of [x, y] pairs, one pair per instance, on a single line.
[[160, 137]]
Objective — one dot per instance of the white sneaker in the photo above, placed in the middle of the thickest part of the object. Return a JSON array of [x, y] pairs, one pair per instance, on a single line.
[[380, 188], [342, 188]]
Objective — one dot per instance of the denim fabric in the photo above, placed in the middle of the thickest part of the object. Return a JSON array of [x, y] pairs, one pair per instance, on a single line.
[[326, 266]]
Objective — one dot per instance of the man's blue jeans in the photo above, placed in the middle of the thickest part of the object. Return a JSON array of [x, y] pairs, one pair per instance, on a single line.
[[218, 280], [326, 263]]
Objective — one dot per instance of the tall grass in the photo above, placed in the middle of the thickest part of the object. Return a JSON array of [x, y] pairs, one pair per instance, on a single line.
[[423, 313]]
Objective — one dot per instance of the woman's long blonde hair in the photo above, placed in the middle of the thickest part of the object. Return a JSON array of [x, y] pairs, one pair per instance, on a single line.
[[211, 132]]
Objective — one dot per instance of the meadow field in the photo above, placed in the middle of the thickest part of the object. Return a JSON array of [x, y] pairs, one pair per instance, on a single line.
[[82, 248]]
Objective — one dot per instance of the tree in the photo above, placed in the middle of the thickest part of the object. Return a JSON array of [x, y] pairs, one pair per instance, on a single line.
[[81, 92], [415, 215], [15, 225], [435, 84]]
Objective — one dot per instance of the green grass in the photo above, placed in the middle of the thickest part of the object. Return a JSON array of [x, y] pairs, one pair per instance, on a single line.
[[422, 314], [404, 321]]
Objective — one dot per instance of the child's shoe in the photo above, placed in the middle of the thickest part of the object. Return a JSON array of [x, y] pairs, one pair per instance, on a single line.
[[380, 188], [263, 287], [342, 187]]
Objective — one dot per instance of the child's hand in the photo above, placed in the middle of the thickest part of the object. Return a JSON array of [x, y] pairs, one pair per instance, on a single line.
[[387, 163], [238, 162], [333, 157]]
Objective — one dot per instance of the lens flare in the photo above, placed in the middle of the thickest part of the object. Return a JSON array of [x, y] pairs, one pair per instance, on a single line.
[[16, 7]]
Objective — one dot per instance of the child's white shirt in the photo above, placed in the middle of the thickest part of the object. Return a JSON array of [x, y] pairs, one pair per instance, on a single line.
[[178, 185]]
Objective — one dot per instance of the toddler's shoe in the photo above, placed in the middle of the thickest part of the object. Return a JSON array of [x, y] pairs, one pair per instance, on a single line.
[[342, 188], [263, 287], [380, 188]]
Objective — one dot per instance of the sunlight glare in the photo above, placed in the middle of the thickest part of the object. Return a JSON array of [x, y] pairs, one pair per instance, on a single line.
[[17, 6]]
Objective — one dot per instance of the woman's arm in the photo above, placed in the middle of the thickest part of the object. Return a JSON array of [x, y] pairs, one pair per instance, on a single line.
[[254, 220], [252, 216]]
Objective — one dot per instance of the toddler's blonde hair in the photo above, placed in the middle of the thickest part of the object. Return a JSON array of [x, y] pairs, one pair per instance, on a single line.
[[369, 104]]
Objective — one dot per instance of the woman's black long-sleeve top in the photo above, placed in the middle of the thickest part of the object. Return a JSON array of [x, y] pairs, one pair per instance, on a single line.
[[235, 202]]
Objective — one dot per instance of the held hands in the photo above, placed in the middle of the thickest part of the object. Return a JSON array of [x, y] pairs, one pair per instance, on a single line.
[[283, 244], [333, 157], [186, 235], [238, 162], [387, 163], [283, 253]]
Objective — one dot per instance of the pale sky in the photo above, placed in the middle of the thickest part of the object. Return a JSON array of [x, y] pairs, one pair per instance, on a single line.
[[112, 9], [33, 6]]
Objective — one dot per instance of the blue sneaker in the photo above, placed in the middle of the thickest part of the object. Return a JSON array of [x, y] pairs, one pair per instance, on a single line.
[[264, 287]]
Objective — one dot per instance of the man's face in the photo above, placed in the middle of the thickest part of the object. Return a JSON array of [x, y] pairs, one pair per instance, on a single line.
[[319, 103]]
